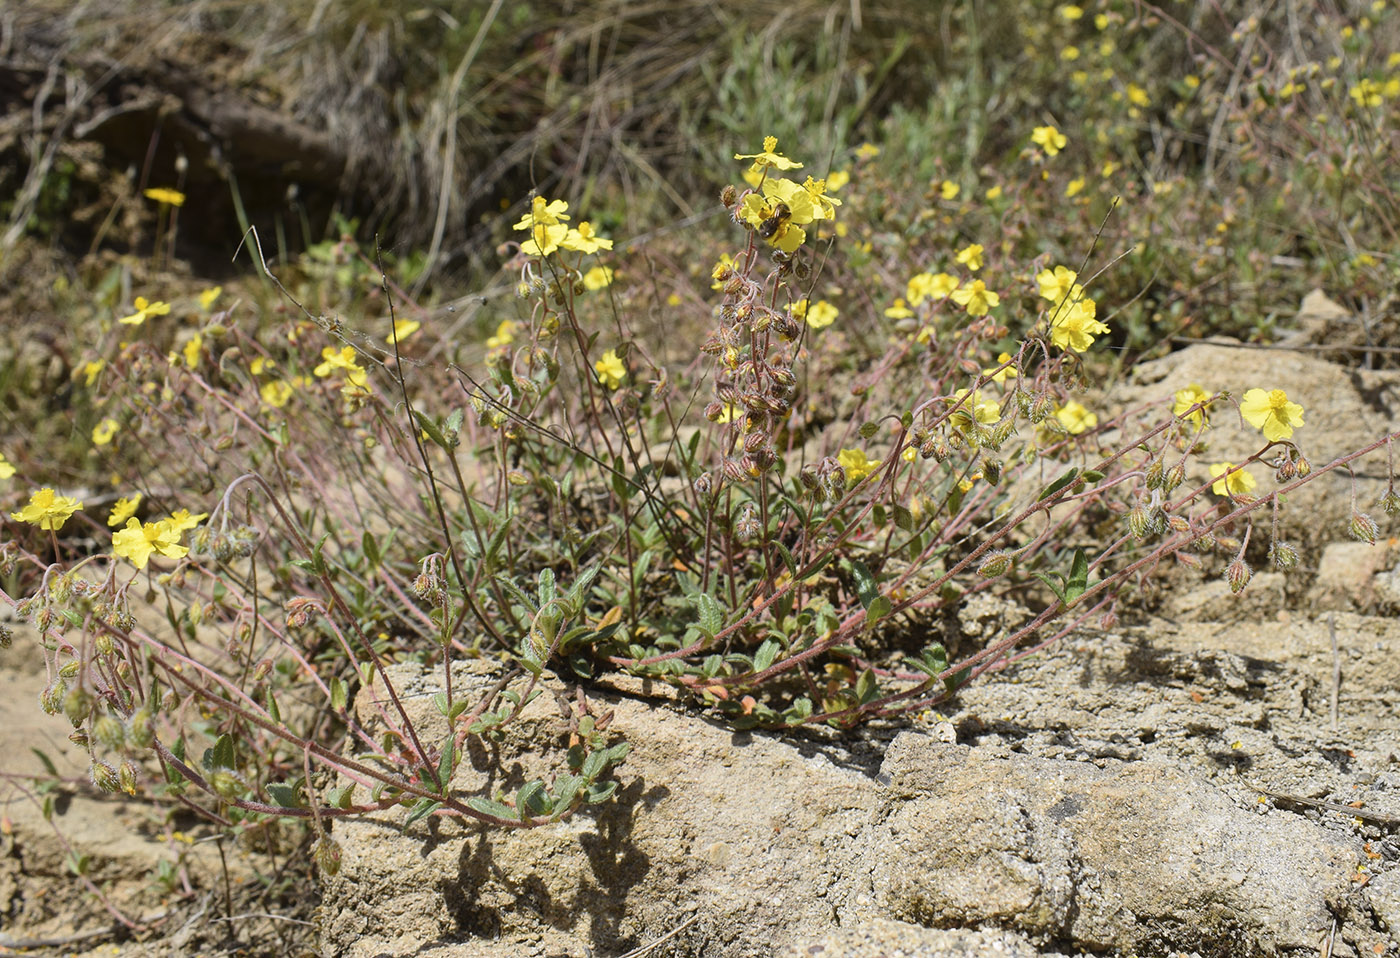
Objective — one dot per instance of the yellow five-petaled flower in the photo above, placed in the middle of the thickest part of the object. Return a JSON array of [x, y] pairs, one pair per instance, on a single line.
[[611, 372], [48, 510], [1272, 412], [144, 310], [138, 540]]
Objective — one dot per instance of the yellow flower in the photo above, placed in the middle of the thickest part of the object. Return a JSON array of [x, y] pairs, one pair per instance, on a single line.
[[137, 541], [610, 370], [260, 365], [973, 411], [543, 212], [1071, 12], [123, 510], [1069, 53], [779, 212], [1049, 139], [821, 314], [1236, 484], [582, 239], [1058, 284], [948, 190], [993, 193], [1272, 412], [165, 196], [505, 335], [769, 156], [900, 310], [867, 151], [103, 432], [1074, 187], [1366, 93], [838, 179], [545, 239], [1137, 96], [192, 350], [47, 510], [971, 256], [144, 310], [1188, 397], [207, 297], [823, 206], [1075, 418], [89, 371], [1002, 375], [276, 393], [976, 298], [343, 358], [6, 470], [180, 520], [403, 328], [1075, 328], [929, 286], [599, 277], [856, 465]]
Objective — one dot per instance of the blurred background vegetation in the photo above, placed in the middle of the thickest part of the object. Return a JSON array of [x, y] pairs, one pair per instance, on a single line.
[[1250, 169]]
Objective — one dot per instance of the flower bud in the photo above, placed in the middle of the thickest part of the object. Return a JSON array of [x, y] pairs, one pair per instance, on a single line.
[[51, 698], [327, 855], [68, 669], [1283, 555], [1363, 528], [225, 783], [1154, 474], [127, 777], [1138, 522], [1390, 502], [1174, 477], [104, 777], [1237, 574], [704, 483], [139, 729], [77, 706], [109, 732], [80, 738], [1303, 466], [996, 564], [1179, 524], [991, 470], [728, 196]]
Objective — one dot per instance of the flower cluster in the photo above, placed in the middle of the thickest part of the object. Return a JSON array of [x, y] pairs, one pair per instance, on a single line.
[[547, 223], [778, 208]]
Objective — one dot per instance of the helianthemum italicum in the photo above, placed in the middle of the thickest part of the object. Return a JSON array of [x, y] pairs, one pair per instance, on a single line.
[[1272, 412]]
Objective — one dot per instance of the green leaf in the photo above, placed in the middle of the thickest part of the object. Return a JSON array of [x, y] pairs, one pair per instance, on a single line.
[[765, 655], [339, 695], [1057, 485], [421, 809], [494, 809], [370, 548], [1078, 577], [877, 610], [48, 762], [711, 615], [786, 556], [1091, 475], [221, 755], [440, 703], [866, 587], [1056, 584], [601, 792], [866, 687], [868, 429], [903, 518], [447, 762], [532, 799], [565, 788], [593, 765], [273, 712], [284, 795], [431, 428], [340, 796], [546, 591]]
